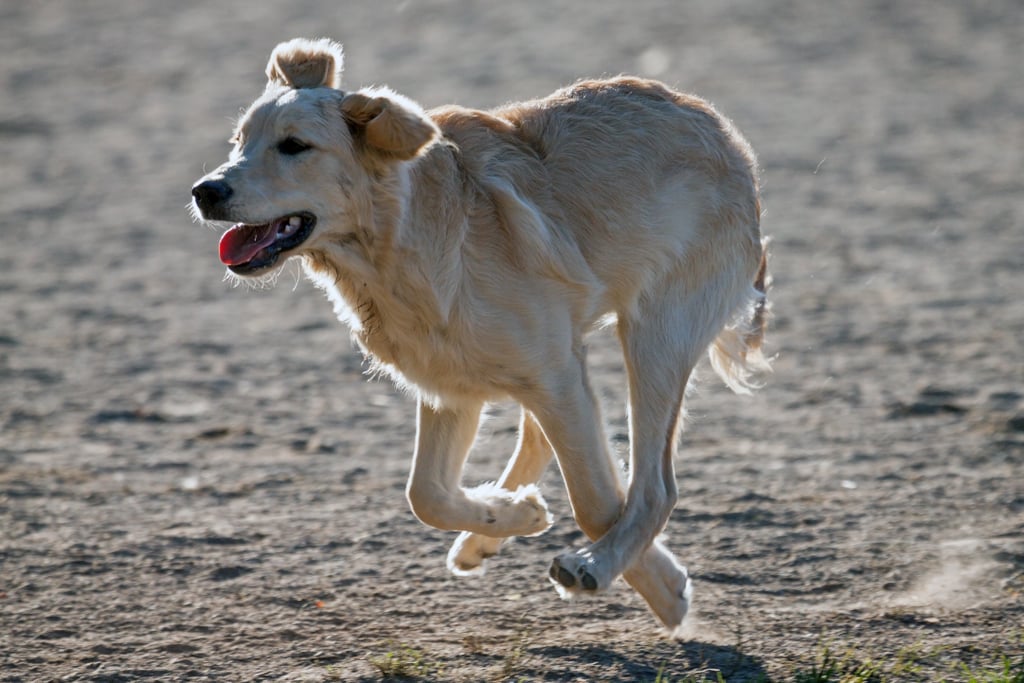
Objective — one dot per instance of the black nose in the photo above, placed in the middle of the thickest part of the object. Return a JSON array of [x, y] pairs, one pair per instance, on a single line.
[[210, 193]]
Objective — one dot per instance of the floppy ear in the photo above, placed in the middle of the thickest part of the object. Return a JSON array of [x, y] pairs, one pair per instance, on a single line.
[[302, 63], [393, 124]]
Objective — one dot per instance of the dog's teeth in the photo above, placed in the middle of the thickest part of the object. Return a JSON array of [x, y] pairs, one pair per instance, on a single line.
[[289, 228]]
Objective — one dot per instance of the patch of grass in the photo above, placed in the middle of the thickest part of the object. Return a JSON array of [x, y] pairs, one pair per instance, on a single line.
[[724, 669], [701, 677], [907, 664], [911, 663], [845, 669], [1008, 672], [510, 665], [405, 663]]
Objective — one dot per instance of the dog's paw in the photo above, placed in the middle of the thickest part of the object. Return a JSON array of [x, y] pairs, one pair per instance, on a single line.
[[579, 572], [671, 609], [674, 615], [469, 552], [665, 585], [522, 512]]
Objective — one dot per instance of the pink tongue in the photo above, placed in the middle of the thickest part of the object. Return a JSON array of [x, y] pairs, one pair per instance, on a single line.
[[241, 243]]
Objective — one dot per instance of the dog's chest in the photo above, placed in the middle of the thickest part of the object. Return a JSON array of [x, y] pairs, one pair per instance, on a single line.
[[433, 360], [433, 357], [407, 339]]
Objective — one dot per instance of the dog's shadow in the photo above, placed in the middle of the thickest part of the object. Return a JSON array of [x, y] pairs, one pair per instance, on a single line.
[[660, 662], [666, 661]]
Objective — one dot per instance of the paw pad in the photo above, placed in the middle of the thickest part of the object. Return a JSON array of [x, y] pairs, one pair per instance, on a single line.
[[567, 579], [562, 575]]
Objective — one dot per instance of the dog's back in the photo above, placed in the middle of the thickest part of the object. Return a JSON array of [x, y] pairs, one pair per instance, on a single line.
[[637, 178]]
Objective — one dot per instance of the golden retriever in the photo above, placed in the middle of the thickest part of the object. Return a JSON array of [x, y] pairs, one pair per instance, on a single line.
[[470, 253]]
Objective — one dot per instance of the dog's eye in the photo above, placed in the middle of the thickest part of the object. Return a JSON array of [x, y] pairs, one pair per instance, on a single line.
[[292, 146]]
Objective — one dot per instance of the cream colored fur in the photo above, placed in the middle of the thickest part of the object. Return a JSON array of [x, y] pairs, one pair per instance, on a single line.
[[471, 252]]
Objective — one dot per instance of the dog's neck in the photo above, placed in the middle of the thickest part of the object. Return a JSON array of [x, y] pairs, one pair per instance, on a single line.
[[395, 278]]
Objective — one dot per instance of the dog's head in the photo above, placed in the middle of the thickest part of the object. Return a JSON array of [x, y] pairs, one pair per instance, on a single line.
[[305, 154]]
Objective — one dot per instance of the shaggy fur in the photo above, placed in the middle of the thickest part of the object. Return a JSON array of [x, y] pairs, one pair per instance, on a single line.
[[470, 252]]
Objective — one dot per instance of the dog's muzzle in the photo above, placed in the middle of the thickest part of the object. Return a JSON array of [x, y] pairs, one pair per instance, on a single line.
[[209, 195]]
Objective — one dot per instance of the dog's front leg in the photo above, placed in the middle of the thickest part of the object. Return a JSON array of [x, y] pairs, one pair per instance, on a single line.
[[444, 436], [532, 455]]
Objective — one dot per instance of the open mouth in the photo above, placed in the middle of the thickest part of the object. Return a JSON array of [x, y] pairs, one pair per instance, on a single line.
[[247, 248]]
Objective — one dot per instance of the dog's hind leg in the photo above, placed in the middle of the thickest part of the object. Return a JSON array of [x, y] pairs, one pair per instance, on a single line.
[[624, 533], [532, 455], [661, 349], [657, 378], [569, 414], [444, 436], [671, 326]]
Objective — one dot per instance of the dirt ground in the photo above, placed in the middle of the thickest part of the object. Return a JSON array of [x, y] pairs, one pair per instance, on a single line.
[[197, 482]]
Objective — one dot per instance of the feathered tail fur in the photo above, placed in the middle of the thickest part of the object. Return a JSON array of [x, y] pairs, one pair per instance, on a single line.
[[736, 354]]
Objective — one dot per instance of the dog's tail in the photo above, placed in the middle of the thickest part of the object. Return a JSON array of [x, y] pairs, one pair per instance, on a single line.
[[736, 354]]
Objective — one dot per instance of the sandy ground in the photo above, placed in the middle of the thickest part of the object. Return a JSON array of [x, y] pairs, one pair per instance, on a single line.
[[197, 482]]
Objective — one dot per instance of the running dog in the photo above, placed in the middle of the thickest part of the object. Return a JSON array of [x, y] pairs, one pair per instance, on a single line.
[[470, 252]]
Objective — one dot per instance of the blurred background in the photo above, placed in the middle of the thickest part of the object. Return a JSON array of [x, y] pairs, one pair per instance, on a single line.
[[140, 393]]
